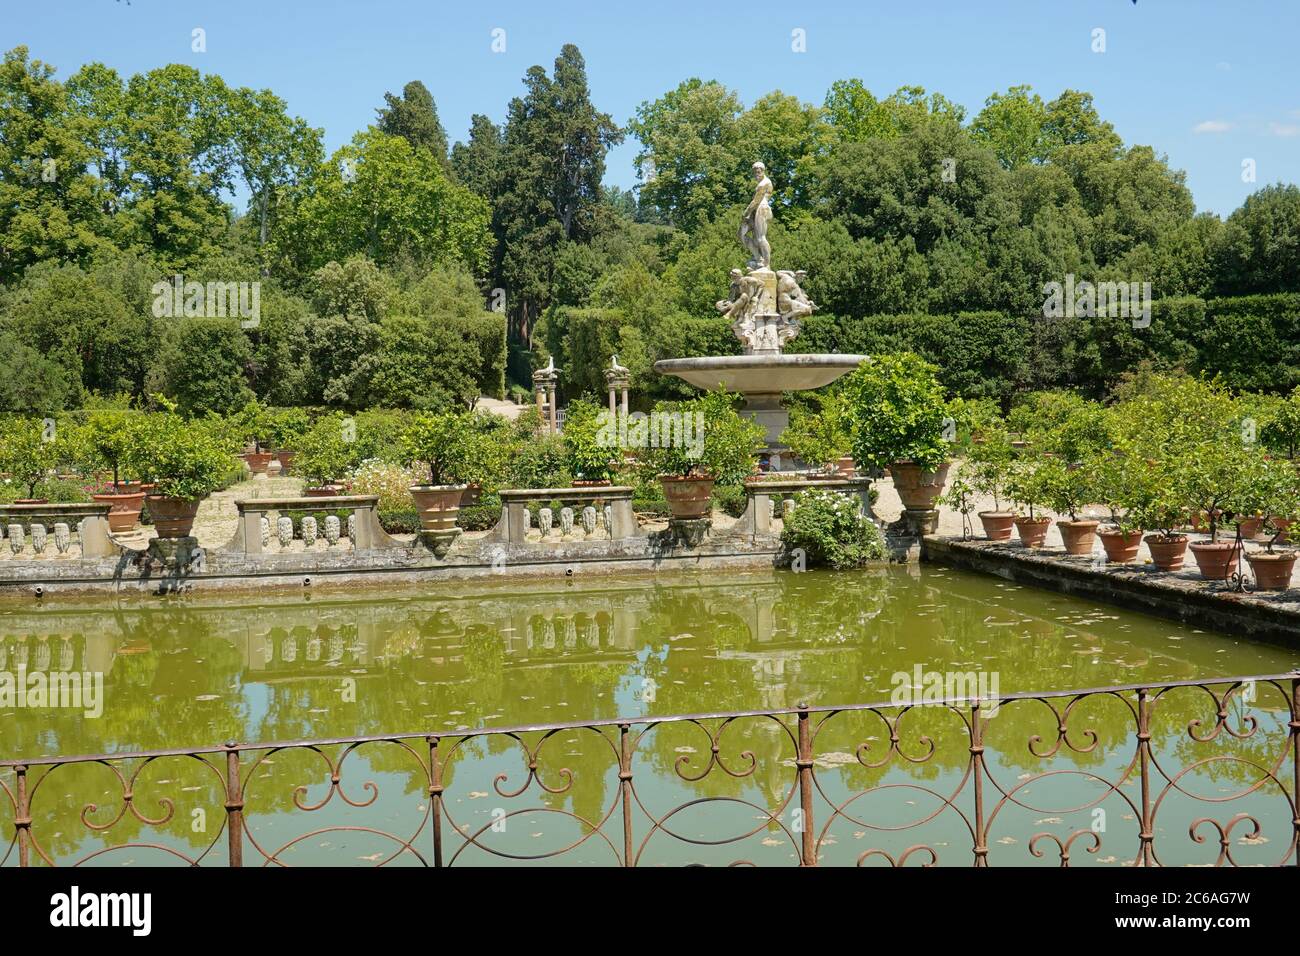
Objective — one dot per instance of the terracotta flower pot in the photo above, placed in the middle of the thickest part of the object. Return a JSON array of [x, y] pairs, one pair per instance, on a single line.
[[31, 501], [1167, 554], [590, 483], [688, 497], [1217, 560], [1282, 525], [846, 468], [998, 524], [173, 517], [123, 509], [438, 505], [257, 461], [1032, 531], [285, 458], [323, 491], [917, 488], [1272, 571], [1121, 548], [1250, 528], [1079, 537]]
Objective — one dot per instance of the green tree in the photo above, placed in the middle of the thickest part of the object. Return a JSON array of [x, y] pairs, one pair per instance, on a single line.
[[51, 203], [381, 197], [552, 164], [414, 117]]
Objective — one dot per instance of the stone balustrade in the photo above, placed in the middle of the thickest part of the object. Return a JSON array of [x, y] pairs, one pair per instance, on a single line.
[[596, 513], [271, 525], [71, 530]]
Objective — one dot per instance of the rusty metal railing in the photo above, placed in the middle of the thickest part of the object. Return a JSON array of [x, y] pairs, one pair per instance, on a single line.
[[1141, 749]]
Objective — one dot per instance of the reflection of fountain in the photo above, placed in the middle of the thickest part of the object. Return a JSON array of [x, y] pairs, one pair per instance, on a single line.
[[765, 309]]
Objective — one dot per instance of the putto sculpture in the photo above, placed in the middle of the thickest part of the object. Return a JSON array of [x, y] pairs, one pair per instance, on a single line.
[[765, 309], [764, 306]]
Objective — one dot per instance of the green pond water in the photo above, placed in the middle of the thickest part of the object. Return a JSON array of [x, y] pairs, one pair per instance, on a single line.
[[274, 668]]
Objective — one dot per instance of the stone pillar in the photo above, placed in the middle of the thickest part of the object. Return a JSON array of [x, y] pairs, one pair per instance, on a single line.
[[544, 379], [541, 404]]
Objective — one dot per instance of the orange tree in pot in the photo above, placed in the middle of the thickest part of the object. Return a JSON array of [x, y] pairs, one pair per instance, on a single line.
[[29, 449], [453, 451], [707, 442], [185, 460], [107, 439], [255, 424], [1025, 487], [818, 433], [1127, 483], [1277, 494], [1067, 490], [1216, 477], [326, 453], [988, 468], [899, 418]]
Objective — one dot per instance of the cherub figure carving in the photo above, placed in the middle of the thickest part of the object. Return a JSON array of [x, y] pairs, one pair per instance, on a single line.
[[792, 303], [745, 292]]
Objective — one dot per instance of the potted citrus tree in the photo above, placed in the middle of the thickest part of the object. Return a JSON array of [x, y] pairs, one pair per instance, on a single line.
[[899, 419], [1126, 482], [288, 425], [108, 437], [28, 450], [255, 425], [1025, 486], [449, 447], [819, 437], [713, 445], [326, 453], [1277, 493], [185, 461], [1066, 489], [988, 468], [1215, 480]]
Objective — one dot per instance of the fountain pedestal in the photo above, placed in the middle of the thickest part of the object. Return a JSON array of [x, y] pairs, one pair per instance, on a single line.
[[765, 308]]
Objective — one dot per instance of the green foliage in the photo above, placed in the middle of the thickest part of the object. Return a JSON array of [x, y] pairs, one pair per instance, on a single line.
[[718, 442], [449, 446], [831, 530], [586, 430], [1065, 487], [819, 437], [897, 411], [327, 451], [182, 458], [29, 449]]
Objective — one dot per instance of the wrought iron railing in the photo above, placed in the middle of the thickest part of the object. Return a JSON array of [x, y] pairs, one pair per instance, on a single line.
[[1139, 771]]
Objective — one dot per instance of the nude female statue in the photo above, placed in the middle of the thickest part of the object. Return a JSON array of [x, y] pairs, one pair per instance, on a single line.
[[753, 224]]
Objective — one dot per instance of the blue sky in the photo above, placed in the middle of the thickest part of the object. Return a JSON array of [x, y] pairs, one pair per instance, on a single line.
[[1210, 84]]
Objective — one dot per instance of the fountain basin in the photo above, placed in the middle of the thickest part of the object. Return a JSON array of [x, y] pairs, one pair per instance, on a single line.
[[760, 374], [761, 377]]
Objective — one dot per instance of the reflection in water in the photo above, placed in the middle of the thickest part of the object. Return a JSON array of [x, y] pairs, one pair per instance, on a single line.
[[191, 672]]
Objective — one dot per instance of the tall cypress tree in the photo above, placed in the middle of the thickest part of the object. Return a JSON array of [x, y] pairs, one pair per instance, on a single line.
[[414, 117], [552, 164]]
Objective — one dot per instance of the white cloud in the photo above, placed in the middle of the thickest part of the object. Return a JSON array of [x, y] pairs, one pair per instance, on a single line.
[[1212, 126], [1284, 129]]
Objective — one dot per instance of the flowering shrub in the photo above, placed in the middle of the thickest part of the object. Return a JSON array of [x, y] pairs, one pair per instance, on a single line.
[[831, 530], [392, 483]]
